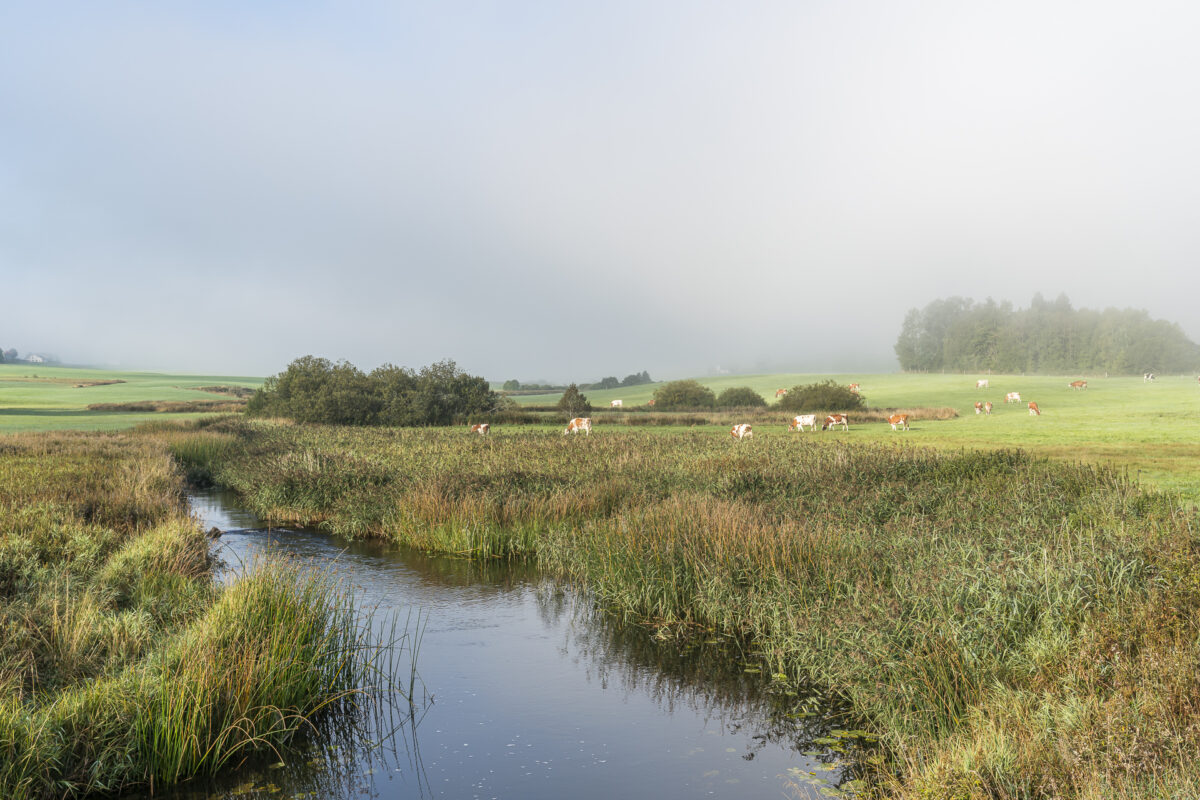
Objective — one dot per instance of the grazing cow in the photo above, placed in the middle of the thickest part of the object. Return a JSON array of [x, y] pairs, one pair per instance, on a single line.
[[836, 419], [1034, 410], [579, 424], [742, 431], [1147, 377], [780, 393], [854, 388], [1012, 397], [898, 421], [987, 407], [979, 408], [799, 422], [650, 403], [981, 384], [616, 404], [1077, 385], [481, 428]]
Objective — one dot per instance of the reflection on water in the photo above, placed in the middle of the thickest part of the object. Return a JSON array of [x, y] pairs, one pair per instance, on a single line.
[[534, 694]]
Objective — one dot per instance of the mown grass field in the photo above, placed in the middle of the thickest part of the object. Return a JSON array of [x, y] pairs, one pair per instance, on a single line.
[[36, 397]]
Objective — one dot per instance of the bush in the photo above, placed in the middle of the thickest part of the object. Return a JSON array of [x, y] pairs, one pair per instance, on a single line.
[[740, 397], [316, 390], [685, 395], [827, 396], [574, 403]]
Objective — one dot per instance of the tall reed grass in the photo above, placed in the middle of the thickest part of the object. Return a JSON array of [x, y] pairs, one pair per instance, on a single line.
[[1011, 627], [121, 661]]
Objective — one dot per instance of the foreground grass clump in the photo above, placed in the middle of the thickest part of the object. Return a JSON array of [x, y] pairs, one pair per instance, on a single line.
[[1012, 627], [121, 662]]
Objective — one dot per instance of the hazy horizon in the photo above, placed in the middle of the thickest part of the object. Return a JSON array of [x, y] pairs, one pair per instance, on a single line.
[[572, 192]]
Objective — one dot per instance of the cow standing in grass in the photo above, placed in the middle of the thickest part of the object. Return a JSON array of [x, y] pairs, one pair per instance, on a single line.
[[616, 404], [579, 424], [987, 407], [1012, 397], [981, 383], [1077, 385], [898, 421], [481, 428], [836, 419], [978, 408], [742, 431], [798, 423], [854, 388], [1034, 411]]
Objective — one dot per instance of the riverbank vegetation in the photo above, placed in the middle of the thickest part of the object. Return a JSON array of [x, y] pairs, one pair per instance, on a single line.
[[121, 660], [1012, 627]]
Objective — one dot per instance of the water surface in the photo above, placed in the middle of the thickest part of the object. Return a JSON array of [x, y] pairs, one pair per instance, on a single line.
[[527, 692]]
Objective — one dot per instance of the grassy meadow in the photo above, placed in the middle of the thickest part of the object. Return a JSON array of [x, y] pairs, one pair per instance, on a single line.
[[122, 662], [1150, 429], [1010, 602], [37, 397], [1011, 626]]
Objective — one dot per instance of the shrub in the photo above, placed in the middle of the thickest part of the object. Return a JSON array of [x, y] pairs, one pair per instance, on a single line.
[[740, 397], [687, 394], [826, 396], [574, 403]]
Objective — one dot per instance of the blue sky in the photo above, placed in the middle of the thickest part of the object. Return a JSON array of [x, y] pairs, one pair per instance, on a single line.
[[566, 191]]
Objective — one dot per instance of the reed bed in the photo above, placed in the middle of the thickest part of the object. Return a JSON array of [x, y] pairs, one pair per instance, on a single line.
[[121, 661], [1011, 627]]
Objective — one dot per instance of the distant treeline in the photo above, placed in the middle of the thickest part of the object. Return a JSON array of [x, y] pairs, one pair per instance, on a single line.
[[315, 389], [961, 335], [611, 382]]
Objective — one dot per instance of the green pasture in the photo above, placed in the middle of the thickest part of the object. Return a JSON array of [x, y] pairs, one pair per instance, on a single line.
[[1150, 429], [36, 397]]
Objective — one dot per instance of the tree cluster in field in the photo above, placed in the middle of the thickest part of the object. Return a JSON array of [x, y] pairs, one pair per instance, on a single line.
[[574, 403], [315, 389], [824, 396], [960, 335], [8, 355], [611, 382]]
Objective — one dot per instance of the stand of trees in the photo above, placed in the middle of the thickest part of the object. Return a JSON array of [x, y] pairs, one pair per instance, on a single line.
[[960, 335], [315, 389]]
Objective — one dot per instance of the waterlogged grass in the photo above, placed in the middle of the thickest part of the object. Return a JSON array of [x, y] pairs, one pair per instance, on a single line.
[[1009, 625], [121, 662]]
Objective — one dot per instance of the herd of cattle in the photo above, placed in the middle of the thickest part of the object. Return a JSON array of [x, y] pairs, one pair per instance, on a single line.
[[799, 423]]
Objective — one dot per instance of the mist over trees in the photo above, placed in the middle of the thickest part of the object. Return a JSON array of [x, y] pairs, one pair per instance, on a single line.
[[957, 334], [315, 389]]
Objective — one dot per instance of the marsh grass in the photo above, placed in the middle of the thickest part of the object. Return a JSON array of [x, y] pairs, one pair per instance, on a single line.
[[1011, 626], [121, 661]]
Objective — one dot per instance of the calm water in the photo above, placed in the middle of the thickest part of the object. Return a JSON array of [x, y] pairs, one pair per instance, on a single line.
[[528, 693]]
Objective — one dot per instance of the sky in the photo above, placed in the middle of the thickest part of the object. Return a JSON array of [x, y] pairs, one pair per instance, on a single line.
[[562, 191]]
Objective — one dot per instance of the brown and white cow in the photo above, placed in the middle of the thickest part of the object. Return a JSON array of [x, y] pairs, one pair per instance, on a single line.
[[898, 421], [616, 404], [1147, 377], [579, 424], [836, 419], [1012, 397], [650, 403], [854, 388], [1034, 410], [780, 393], [978, 408], [982, 383], [481, 428], [798, 423], [987, 407], [742, 431], [1077, 385]]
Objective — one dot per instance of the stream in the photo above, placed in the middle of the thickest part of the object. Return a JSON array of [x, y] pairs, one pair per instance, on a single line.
[[526, 691]]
